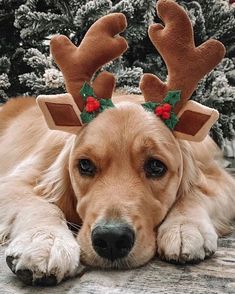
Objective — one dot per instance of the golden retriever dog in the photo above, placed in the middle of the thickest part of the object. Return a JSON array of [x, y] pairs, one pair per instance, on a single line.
[[125, 181]]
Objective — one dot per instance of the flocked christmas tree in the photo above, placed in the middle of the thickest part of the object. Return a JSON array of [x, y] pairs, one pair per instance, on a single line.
[[26, 67]]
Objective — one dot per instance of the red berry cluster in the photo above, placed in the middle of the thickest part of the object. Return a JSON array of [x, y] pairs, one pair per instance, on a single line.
[[92, 104], [164, 111]]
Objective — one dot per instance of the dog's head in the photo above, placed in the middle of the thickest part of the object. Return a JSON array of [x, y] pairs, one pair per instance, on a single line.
[[126, 165], [125, 168]]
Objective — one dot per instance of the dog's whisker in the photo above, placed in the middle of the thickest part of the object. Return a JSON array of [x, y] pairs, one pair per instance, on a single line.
[[73, 225], [133, 260], [74, 234], [92, 257], [126, 263]]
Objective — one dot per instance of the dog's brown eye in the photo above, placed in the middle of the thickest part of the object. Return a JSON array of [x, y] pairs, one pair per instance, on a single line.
[[86, 167], [154, 168]]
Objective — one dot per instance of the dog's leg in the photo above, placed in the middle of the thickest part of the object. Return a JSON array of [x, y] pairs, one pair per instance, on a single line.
[[187, 234], [42, 250]]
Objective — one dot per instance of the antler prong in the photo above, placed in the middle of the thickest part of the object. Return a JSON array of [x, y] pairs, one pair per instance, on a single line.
[[104, 85], [186, 63], [100, 45], [149, 83]]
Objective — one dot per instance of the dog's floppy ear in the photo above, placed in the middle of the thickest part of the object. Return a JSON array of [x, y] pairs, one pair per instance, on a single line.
[[55, 186], [186, 65], [100, 45]]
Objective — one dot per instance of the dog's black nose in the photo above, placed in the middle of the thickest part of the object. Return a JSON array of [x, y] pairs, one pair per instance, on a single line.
[[113, 240]]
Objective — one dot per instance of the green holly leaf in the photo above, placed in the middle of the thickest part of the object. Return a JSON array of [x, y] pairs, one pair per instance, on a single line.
[[172, 121], [150, 106], [105, 103], [86, 91], [172, 97], [87, 117]]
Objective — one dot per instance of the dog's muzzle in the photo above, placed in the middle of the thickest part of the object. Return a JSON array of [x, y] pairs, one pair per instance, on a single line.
[[112, 240]]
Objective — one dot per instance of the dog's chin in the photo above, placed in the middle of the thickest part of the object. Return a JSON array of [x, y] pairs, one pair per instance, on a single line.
[[129, 262]]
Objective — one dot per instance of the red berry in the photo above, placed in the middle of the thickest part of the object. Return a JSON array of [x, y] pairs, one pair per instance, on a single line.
[[90, 99], [166, 107], [89, 107], [92, 104], [96, 105], [158, 110], [166, 115]]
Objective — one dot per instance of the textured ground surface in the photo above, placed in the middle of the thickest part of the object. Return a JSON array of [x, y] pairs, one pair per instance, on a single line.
[[215, 275]]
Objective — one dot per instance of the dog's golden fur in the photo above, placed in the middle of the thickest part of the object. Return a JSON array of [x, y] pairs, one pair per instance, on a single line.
[[180, 214]]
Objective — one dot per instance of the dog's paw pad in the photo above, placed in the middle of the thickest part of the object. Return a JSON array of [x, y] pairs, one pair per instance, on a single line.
[[25, 275], [186, 258], [46, 281], [10, 262], [209, 252]]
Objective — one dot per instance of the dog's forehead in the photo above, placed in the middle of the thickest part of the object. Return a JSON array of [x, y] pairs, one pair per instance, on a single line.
[[124, 124]]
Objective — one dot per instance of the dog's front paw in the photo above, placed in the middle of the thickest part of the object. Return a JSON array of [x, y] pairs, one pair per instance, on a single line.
[[186, 242], [43, 256]]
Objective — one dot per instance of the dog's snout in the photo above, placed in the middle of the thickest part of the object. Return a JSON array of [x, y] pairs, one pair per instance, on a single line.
[[113, 240]]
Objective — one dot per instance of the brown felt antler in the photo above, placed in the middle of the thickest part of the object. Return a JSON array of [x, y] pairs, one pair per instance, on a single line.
[[100, 45], [186, 65]]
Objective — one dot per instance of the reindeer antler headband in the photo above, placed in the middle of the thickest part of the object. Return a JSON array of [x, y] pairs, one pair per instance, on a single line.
[[186, 65]]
